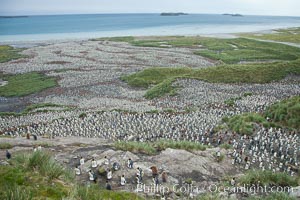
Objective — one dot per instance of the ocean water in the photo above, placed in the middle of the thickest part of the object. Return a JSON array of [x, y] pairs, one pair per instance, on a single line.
[[108, 25]]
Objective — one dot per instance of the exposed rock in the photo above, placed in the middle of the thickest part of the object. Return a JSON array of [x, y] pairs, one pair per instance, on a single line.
[[3, 162], [295, 192]]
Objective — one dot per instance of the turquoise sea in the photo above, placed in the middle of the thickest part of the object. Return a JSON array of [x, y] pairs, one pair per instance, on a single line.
[[105, 25]]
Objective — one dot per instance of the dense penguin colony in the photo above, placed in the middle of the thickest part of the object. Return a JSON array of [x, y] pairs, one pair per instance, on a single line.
[[90, 81]]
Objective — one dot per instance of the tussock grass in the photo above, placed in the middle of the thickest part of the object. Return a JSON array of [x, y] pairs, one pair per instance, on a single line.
[[268, 178], [286, 113], [46, 165], [5, 145], [244, 124], [82, 115], [115, 39], [226, 50], [38, 176], [18, 193], [152, 148], [242, 49], [94, 193], [226, 146], [136, 147], [29, 170], [186, 145], [41, 105], [160, 80], [32, 109], [8, 53], [282, 35], [25, 84]]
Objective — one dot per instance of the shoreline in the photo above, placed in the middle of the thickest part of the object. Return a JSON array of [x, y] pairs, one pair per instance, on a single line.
[[46, 39]]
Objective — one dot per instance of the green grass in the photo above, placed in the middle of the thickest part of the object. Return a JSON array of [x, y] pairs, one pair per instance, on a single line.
[[267, 178], [244, 124], [286, 113], [186, 145], [5, 145], [225, 50], [115, 39], [226, 146], [282, 35], [35, 175], [152, 148], [231, 101], [241, 49], [38, 176], [82, 115], [159, 80], [41, 105], [161, 89], [136, 147], [94, 193], [8, 53], [25, 84], [31, 109]]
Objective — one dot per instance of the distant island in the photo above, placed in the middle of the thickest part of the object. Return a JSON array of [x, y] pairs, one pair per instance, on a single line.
[[173, 14], [13, 16], [234, 15]]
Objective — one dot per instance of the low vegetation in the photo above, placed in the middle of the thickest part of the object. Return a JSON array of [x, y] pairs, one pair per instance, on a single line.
[[25, 84], [35, 108], [42, 105], [82, 115], [161, 89], [225, 50], [5, 145], [160, 80], [240, 50], [286, 113], [282, 35], [38, 176], [136, 147], [226, 146], [94, 193], [244, 61], [8, 53], [231, 102], [245, 123], [115, 39], [152, 148], [29, 170], [268, 178]]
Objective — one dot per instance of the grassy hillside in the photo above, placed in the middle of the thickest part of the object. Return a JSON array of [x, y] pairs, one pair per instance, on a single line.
[[159, 80], [285, 113], [229, 51], [244, 124]]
